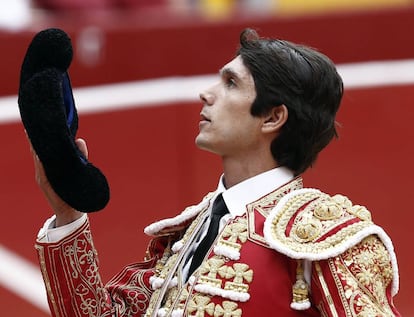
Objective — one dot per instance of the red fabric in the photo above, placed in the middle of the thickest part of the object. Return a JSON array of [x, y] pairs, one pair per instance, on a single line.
[[70, 269], [71, 273], [336, 229], [274, 276], [271, 289]]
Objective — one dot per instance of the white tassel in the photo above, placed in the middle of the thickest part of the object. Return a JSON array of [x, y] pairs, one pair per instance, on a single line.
[[227, 252], [173, 282], [177, 246], [300, 306], [156, 282], [214, 291], [162, 312], [177, 313]]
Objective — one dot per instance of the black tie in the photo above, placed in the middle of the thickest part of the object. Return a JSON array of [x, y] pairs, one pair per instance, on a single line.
[[218, 211]]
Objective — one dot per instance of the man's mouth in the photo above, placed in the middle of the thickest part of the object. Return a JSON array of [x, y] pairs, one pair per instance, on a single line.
[[204, 118]]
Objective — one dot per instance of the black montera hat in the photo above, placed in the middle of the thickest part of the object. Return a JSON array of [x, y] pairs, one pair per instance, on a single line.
[[48, 112]]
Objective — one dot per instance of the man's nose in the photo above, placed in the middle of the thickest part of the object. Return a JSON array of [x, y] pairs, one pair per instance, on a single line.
[[206, 97]]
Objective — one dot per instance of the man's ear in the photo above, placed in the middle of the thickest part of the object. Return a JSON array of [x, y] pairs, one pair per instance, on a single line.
[[275, 119]]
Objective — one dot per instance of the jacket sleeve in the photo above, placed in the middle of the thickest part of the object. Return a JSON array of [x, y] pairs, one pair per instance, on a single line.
[[70, 270], [358, 282]]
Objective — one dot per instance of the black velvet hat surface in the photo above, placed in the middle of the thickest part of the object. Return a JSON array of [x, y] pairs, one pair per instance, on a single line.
[[48, 112]]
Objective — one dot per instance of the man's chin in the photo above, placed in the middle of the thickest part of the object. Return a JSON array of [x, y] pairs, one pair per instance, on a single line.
[[202, 144]]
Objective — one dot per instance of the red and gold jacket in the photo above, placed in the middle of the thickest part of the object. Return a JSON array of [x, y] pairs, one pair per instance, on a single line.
[[294, 252]]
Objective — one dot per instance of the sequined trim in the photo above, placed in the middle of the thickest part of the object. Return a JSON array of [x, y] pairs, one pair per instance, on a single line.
[[325, 290]]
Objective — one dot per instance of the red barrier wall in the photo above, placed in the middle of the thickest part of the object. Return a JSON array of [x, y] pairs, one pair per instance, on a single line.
[[138, 47], [149, 157]]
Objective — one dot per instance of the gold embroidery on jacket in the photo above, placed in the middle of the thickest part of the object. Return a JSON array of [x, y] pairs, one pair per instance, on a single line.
[[239, 272], [236, 231], [199, 305], [364, 272], [133, 296], [264, 206], [325, 290], [92, 295], [164, 269], [321, 223], [80, 264], [227, 309], [214, 272], [171, 296], [340, 288], [306, 229], [46, 279], [209, 271]]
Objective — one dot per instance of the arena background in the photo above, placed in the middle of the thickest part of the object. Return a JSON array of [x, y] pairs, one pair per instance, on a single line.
[[137, 78]]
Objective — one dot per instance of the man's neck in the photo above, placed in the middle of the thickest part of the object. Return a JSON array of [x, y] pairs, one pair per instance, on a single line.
[[236, 171]]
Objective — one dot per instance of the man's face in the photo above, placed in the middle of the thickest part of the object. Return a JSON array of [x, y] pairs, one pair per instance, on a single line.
[[226, 126]]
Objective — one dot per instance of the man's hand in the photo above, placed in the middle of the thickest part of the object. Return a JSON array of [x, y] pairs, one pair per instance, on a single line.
[[64, 213]]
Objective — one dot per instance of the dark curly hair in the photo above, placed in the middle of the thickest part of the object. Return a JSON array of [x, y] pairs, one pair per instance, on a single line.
[[303, 80]]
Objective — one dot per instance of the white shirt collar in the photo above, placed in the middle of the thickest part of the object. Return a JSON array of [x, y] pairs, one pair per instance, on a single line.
[[238, 196]]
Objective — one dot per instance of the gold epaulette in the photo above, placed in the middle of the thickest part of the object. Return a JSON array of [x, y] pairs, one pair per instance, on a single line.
[[309, 224]]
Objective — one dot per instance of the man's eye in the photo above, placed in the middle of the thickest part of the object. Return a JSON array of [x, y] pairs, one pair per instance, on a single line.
[[230, 82]]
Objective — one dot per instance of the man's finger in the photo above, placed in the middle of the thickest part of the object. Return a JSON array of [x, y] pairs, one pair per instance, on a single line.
[[81, 144]]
